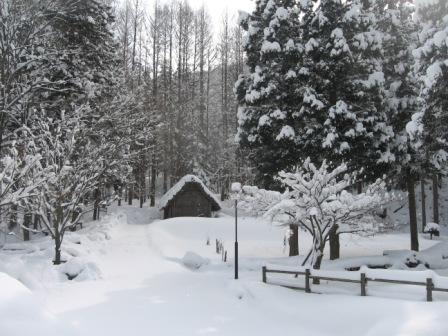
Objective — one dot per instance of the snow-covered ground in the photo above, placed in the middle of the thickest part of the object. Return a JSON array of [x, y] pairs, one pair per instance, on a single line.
[[141, 276]]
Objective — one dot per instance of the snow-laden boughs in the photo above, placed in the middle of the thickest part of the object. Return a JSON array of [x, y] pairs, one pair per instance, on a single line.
[[318, 200], [431, 65], [72, 166], [343, 57], [270, 95], [257, 201], [16, 186]]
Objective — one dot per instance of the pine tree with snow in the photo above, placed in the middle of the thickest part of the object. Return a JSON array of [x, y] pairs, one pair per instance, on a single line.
[[430, 127], [399, 38], [269, 97], [343, 55]]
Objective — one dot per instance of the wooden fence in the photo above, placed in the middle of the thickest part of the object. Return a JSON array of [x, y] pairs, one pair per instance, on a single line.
[[362, 281]]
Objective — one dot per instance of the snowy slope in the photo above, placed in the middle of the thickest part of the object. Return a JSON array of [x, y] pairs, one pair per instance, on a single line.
[[22, 314], [147, 288]]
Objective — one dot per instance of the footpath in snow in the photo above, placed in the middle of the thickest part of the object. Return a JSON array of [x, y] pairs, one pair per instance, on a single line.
[[152, 277]]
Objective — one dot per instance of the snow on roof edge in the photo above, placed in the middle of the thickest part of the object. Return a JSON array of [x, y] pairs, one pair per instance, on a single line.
[[178, 187]]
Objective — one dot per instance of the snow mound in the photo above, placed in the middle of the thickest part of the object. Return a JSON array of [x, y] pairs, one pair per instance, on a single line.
[[80, 270], [22, 314], [194, 261]]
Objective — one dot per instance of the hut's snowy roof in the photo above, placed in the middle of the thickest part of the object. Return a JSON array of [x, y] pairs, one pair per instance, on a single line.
[[178, 187]]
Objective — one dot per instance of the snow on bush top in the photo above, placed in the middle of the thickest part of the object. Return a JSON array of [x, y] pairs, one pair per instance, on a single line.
[[432, 227], [178, 187]]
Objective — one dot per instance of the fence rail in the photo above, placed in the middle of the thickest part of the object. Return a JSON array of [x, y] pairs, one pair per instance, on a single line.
[[362, 281]]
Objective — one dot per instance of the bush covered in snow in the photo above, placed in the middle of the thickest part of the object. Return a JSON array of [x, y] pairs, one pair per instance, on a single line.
[[194, 261]]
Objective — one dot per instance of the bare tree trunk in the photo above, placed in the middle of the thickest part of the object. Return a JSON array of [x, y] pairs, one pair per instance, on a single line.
[[26, 225], [412, 211], [96, 204], [294, 241], [130, 194], [13, 217], [57, 236], [36, 222], [423, 195], [435, 197], [317, 264], [153, 181], [335, 245]]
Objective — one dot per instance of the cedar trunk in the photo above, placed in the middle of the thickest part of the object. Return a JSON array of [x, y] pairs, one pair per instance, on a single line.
[[435, 197], [423, 192], [412, 211]]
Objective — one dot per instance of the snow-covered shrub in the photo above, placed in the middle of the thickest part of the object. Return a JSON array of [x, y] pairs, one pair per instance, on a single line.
[[318, 201], [432, 229], [194, 261]]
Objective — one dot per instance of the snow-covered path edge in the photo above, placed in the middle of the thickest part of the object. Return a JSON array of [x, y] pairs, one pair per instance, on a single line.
[[146, 290]]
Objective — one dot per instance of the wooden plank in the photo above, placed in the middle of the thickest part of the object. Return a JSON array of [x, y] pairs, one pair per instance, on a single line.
[[399, 282], [440, 290], [335, 279], [285, 272]]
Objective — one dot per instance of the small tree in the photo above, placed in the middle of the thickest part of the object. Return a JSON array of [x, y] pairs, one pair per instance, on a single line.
[[72, 168], [318, 201]]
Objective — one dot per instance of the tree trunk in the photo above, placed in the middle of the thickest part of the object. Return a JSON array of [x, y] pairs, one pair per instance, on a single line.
[[96, 204], [13, 217], [36, 222], [359, 187], [57, 249], [316, 266], [26, 225], [435, 197], [294, 241], [423, 194], [335, 245], [130, 194], [412, 212], [57, 235], [153, 181]]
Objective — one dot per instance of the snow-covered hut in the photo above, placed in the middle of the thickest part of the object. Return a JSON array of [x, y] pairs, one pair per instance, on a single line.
[[189, 198]]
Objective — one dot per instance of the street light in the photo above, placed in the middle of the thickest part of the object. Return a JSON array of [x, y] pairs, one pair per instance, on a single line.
[[236, 188]]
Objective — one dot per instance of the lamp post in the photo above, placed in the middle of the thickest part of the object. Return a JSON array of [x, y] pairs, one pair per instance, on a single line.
[[236, 189]]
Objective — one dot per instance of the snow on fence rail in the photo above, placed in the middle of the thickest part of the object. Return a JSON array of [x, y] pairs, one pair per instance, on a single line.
[[429, 279]]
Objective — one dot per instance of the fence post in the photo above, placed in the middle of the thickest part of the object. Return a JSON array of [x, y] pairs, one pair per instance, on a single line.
[[307, 281], [264, 274], [363, 284], [429, 287]]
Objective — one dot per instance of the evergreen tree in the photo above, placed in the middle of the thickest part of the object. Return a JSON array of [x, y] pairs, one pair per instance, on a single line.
[[343, 49], [269, 96], [428, 127], [399, 37], [431, 65]]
